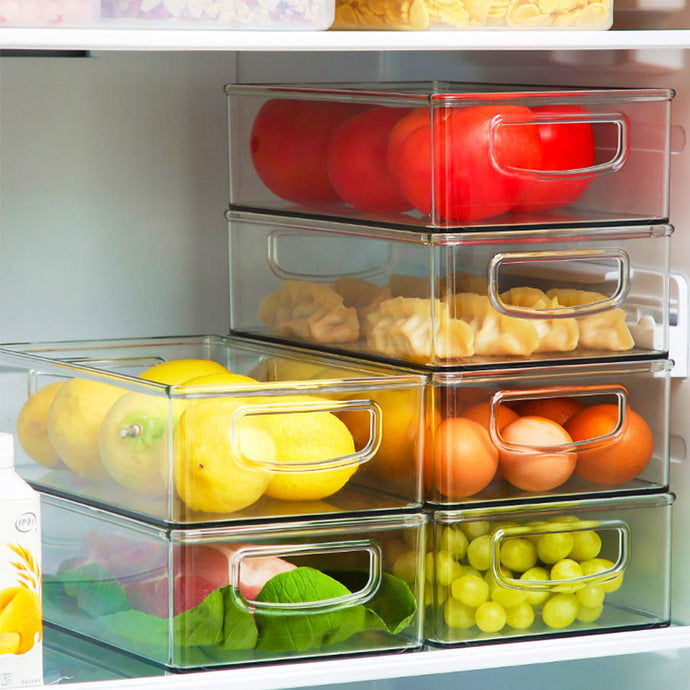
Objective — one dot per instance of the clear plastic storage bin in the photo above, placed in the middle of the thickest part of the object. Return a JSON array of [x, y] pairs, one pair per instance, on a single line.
[[451, 155], [49, 13], [472, 299], [210, 428], [493, 14], [541, 433], [299, 15], [543, 570], [217, 596]]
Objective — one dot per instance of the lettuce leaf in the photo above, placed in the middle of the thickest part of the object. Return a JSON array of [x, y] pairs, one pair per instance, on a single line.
[[391, 609], [97, 592]]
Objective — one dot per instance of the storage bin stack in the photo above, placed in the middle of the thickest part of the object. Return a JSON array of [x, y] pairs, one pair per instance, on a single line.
[[512, 245], [210, 501]]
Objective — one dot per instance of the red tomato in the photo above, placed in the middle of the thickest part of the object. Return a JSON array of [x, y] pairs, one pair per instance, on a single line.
[[356, 162], [288, 145], [567, 146], [419, 117], [476, 164]]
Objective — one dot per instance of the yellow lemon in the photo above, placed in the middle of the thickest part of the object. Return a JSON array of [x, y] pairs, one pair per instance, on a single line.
[[401, 412], [309, 437], [74, 420], [209, 474], [133, 440], [20, 619], [177, 371], [32, 429]]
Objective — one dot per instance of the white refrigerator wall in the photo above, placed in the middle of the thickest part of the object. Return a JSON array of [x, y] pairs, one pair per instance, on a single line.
[[113, 183]]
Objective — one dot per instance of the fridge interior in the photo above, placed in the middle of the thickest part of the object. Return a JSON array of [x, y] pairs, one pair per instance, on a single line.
[[113, 186]]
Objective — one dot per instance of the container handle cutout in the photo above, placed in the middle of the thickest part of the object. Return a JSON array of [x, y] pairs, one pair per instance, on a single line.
[[619, 527], [244, 413], [361, 596], [501, 397], [619, 256]]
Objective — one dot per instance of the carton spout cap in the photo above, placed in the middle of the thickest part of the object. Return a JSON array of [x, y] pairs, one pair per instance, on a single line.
[[6, 450]]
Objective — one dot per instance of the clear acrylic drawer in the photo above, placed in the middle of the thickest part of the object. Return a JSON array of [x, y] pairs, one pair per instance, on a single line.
[[471, 299], [451, 155], [541, 433], [542, 570], [211, 428], [234, 595]]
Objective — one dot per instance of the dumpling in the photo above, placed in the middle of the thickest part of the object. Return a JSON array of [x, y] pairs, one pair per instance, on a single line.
[[363, 295], [418, 329], [494, 333], [416, 286], [606, 330], [310, 311], [555, 335]]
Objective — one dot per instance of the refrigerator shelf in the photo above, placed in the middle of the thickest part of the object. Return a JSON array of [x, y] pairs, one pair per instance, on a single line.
[[413, 664], [152, 40]]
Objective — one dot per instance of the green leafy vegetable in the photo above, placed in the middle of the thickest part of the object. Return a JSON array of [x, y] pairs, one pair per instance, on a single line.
[[218, 627], [97, 592], [304, 631]]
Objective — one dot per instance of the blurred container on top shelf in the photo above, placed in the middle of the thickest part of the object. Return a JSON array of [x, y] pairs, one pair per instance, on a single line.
[[296, 15], [281, 15], [212, 429], [215, 596], [451, 155], [473, 14], [536, 571], [470, 300], [49, 13]]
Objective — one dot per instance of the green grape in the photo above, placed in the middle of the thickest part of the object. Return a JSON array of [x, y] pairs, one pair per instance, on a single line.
[[470, 590], [503, 595], [594, 566], [555, 546], [479, 552], [520, 617], [560, 610], [591, 596], [469, 570], [518, 554], [588, 614], [566, 569], [447, 568], [475, 528], [490, 617], [441, 594], [454, 541], [586, 545], [504, 525], [537, 525], [406, 567], [458, 615], [537, 596], [565, 519], [508, 598], [429, 567]]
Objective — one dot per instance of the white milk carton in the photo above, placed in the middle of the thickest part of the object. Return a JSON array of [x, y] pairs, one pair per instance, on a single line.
[[21, 631]]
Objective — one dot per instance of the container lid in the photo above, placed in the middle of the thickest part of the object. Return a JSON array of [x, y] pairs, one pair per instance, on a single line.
[[6, 450]]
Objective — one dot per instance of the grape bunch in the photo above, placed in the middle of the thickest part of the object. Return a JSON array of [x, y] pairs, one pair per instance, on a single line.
[[468, 594]]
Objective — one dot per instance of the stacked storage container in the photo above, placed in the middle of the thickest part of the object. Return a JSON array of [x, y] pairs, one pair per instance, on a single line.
[[209, 501], [512, 245]]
